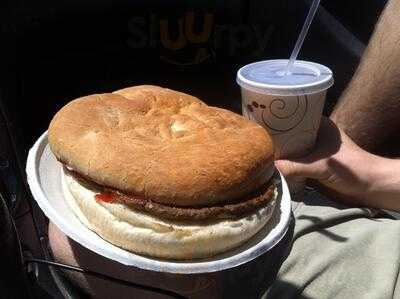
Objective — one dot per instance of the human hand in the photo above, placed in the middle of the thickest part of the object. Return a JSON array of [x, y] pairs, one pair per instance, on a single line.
[[337, 164]]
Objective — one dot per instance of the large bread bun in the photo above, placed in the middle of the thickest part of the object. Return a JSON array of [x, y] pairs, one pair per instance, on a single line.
[[164, 145]]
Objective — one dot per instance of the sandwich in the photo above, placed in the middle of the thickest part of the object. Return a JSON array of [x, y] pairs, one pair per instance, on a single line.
[[160, 173]]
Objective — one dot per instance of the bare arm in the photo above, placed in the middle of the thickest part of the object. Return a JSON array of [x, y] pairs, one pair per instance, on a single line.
[[385, 192], [347, 172], [369, 109]]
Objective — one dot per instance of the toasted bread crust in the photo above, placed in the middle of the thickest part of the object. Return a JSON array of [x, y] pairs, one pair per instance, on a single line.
[[162, 144]]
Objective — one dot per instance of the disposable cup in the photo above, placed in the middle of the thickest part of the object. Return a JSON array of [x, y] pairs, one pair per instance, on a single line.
[[289, 106]]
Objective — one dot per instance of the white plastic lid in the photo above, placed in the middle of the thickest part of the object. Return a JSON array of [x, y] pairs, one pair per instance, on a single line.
[[269, 77]]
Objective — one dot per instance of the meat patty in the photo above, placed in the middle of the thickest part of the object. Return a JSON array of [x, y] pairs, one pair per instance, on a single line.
[[231, 210]]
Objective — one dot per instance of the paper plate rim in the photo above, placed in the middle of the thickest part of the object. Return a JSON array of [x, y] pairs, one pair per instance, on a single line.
[[32, 170]]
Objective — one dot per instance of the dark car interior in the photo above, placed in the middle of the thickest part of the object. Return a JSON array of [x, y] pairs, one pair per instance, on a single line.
[[56, 51]]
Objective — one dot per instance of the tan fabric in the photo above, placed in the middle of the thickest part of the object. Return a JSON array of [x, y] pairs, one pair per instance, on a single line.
[[340, 252]]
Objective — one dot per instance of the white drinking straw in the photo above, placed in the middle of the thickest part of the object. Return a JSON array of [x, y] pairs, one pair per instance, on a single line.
[[302, 36]]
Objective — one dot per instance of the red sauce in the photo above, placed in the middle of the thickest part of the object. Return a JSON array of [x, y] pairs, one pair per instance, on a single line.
[[104, 197]]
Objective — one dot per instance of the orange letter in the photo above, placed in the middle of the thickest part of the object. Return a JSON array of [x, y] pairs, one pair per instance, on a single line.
[[204, 35], [177, 44]]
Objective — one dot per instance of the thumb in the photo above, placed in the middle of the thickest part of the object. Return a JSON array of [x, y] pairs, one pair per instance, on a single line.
[[290, 169]]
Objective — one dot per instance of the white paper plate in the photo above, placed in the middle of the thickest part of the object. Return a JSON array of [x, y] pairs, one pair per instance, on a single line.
[[44, 178]]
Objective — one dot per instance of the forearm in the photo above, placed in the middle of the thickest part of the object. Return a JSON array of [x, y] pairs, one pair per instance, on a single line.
[[369, 109], [384, 183]]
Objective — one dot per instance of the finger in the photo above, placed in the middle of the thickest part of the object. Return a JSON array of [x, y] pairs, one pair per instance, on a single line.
[[298, 169]]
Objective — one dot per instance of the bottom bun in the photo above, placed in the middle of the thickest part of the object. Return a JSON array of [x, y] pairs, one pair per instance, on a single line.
[[144, 234]]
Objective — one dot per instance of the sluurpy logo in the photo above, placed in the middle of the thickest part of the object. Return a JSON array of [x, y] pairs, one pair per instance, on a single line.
[[195, 38]]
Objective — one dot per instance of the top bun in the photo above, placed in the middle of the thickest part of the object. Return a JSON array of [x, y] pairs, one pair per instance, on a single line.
[[162, 144]]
